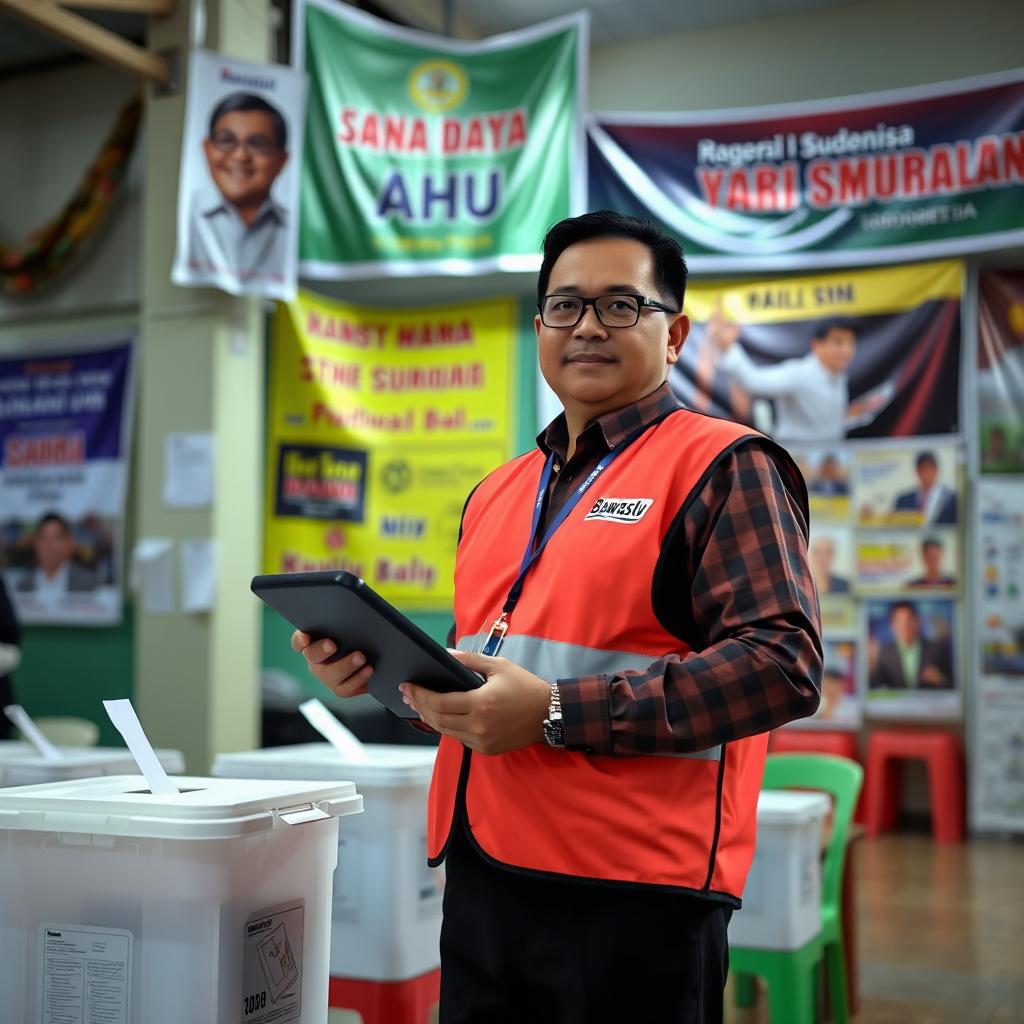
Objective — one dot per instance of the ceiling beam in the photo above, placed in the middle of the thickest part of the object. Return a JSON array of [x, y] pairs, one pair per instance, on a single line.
[[82, 35], [159, 8]]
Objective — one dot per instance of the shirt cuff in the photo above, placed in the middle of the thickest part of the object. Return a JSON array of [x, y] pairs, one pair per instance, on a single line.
[[586, 717]]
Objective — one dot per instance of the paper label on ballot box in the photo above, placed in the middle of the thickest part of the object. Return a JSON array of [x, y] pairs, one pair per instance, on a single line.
[[86, 974], [272, 965]]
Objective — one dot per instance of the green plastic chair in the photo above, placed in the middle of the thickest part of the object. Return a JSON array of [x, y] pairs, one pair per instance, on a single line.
[[791, 974]]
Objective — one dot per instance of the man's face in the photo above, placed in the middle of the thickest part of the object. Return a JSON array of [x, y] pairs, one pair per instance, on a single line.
[[823, 553], [905, 625], [931, 555], [927, 473], [53, 546], [244, 157], [836, 350], [594, 369]]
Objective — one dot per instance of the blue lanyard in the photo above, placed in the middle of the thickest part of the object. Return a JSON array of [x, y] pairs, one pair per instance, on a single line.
[[531, 554], [495, 638]]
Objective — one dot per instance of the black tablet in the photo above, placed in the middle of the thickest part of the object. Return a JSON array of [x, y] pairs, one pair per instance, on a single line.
[[342, 607]]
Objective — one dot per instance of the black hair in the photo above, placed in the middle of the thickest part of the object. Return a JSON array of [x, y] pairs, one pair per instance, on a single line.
[[909, 605], [669, 264], [923, 457], [53, 517], [238, 102], [823, 328]]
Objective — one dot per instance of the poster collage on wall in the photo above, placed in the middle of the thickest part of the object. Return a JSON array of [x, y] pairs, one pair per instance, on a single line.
[[857, 374]]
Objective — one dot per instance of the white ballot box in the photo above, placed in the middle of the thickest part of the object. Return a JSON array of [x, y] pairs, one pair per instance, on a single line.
[[209, 904]]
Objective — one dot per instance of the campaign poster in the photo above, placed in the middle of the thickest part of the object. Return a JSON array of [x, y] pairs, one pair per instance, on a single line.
[[892, 561], [822, 359], [840, 706], [381, 423], [1001, 559], [997, 763], [912, 658], [1001, 371], [918, 486], [239, 178], [886, 177], [65, 428], [826, 471], [830, 556], [431, 155]]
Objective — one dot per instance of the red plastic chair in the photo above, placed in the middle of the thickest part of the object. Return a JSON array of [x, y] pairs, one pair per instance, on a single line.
[[942, 753], [814, 741]]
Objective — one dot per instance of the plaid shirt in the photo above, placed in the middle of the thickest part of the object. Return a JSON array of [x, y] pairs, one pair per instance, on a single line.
[[747, 605]]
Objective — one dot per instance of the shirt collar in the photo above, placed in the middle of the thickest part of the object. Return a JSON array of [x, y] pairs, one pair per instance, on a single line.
[[211, 202], [613, 427]]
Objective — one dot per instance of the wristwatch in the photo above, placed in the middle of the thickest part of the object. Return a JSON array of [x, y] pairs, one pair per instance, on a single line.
[[553, 734]]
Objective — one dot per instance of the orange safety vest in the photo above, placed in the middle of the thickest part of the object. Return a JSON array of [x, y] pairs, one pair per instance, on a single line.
[[686, 821]]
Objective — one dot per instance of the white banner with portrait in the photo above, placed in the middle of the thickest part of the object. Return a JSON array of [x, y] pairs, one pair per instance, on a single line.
[[238, 187]]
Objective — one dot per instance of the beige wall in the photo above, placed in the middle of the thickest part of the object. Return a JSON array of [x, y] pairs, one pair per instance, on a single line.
[[816, 54]]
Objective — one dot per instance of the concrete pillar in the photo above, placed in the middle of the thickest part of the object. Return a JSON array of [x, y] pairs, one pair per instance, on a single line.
[[201, 368]]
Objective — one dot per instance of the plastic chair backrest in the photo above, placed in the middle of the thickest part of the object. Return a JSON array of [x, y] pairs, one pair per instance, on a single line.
[[68, 732], [839, 777]]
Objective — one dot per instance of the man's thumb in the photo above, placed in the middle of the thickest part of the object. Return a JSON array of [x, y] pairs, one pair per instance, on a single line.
[[481, 663]]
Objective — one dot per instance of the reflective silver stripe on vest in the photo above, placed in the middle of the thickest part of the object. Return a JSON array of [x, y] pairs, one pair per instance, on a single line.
[[554, 660]]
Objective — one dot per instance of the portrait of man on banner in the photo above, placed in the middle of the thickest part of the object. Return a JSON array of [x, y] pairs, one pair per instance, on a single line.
[[237, 195], [818, 360]]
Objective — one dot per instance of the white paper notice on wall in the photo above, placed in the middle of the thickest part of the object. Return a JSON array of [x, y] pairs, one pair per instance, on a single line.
[[198, 564], [152, 574], [188, 470]]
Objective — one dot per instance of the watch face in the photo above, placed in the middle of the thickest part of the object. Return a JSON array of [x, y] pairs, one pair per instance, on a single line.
[[553, 734]]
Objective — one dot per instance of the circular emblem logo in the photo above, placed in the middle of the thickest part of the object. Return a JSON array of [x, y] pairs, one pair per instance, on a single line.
[[396, 476], [437, 85]]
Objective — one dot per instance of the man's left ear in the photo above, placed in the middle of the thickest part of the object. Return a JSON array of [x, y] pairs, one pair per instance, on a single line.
[[678, 331]]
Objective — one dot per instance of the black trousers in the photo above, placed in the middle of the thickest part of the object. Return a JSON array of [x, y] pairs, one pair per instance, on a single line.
[[521, 949]]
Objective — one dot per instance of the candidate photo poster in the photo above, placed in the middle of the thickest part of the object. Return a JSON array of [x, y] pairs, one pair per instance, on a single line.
[[65, 416], [911, 664], [841, 705], [1001, 371], [891, 561], [826, 471], [1001, 542], [919, 485], [239, 179], [823, 359]]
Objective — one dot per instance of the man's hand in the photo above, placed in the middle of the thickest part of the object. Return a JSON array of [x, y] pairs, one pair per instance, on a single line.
[[345, 677], [504, 714]]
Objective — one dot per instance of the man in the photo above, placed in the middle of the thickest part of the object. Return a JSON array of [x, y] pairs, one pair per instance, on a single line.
[[909, 662], [931, 502], [830, 480], [236, 230], [811, 394], [822, 558], [55, 573], [935, 575], [595, 799]]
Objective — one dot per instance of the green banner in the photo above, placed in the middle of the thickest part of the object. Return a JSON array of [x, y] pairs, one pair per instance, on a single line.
[[428, 155]]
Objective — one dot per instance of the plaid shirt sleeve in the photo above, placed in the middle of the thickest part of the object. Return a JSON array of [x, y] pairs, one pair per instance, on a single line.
[[753, 625]]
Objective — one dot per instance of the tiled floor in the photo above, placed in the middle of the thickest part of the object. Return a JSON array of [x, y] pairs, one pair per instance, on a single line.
[[941, 933]]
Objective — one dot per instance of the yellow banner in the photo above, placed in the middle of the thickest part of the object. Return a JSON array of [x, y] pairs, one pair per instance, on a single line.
[[842, 293], [381, 423]]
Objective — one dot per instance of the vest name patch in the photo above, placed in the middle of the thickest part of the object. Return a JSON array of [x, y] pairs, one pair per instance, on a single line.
[[620, 510]]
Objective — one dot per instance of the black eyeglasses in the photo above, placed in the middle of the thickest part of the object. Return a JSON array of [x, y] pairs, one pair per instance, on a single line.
[[611, 310], [258, 145]]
